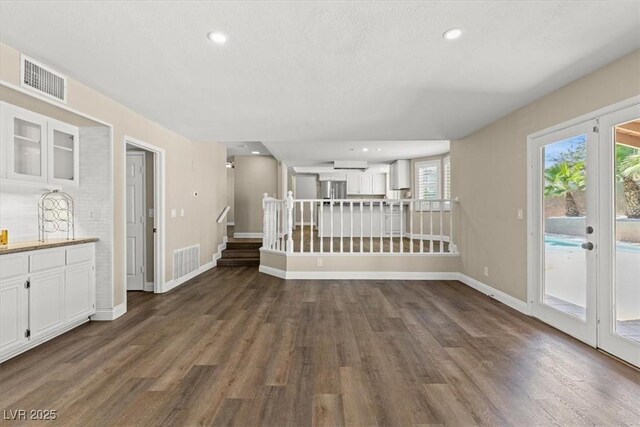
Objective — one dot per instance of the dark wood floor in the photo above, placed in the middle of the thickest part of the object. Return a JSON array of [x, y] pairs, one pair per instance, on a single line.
[[238, 347]]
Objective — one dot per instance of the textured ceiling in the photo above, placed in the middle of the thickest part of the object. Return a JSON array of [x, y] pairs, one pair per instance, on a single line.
[[323, 71]]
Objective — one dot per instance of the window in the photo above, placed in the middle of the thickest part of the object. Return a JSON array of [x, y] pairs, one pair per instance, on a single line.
[[428, 183], [446, 165]]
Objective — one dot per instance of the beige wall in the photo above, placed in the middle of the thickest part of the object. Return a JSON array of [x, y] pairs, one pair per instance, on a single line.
[[489, 173], [190, 166], [363, 263], [254, 176], [231, 173]]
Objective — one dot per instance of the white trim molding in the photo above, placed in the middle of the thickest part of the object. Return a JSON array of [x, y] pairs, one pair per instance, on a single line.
[[237, 235], [110, 313], [221, 247], [174, 283], [500, 296], [358, 275]]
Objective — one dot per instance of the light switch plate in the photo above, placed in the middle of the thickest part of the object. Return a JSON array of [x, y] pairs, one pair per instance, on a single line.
[[174, 213], [520, 213], [181, 211], [151, 213]]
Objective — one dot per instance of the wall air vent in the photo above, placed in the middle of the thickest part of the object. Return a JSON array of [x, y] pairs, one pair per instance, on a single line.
[[186, 261], [42, 79]]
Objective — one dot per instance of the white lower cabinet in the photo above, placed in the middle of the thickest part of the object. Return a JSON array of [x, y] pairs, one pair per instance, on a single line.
[[80, 292], [44, 293], [46, 303], [14, 314]]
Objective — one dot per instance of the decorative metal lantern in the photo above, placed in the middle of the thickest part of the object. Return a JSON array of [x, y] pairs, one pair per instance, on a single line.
[[55, 214]]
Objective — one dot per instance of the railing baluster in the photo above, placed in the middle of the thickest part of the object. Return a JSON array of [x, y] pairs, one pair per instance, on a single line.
[[430, 227], [371, 227], [331, 233], [351, 227], [311, 226], [441, 226], [421, 207], [381, 226], [391, 227], [401, 229], [265, 221], [277, 244], [341, 226], [290, 221], [321, 231], [450, 226], [361, 225], [301, 226], [411, 205]]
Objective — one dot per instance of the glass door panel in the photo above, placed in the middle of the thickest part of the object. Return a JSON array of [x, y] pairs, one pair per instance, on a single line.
[[564, 195], [565, 261], [27, 148], [63, 157]]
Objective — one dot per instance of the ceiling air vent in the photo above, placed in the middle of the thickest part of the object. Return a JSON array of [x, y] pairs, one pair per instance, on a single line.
[[43, 79]]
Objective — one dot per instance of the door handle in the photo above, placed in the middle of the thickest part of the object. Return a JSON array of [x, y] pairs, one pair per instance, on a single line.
[[588, 246]]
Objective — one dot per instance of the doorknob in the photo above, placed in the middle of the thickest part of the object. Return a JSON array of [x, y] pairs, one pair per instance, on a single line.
[[588, 246]]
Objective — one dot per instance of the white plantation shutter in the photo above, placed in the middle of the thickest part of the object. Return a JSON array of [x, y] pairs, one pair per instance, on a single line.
[[428, 181], [447, 177]]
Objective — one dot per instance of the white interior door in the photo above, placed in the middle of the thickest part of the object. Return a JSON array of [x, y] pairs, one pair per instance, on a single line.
[[135, 220], [565, 229], [619, 272]]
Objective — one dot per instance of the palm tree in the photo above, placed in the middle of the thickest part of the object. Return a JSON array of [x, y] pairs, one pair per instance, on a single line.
[[563, 179], [628, 161]]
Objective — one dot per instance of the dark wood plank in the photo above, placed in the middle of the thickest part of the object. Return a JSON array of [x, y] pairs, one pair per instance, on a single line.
[[234, 346]]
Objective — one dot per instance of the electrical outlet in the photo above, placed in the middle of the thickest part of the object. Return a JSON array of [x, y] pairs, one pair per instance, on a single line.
[[486, 271], [319, 262], [150, 212], [520, 214]]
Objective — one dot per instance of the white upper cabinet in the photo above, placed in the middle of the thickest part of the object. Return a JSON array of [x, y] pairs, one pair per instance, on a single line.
[[367, 184], [400, 175], [64, 157], [37, 149], [24, 145]]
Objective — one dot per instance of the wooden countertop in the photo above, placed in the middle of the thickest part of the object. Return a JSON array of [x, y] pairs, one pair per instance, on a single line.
[[34, 245]]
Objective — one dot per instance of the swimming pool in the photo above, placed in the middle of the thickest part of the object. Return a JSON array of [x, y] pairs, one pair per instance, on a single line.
[[559, 242]]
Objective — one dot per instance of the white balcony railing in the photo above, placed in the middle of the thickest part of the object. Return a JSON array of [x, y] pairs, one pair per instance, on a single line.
[[375, 226]]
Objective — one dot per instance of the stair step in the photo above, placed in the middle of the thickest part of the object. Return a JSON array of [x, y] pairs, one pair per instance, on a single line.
[[244, 245], [241, 253], [237, 262]]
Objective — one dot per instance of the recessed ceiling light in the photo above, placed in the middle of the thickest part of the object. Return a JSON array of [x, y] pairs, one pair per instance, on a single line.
[[255, 152], [365, 149], [352, 149], [378, 149], [217, 37], [452, 33]]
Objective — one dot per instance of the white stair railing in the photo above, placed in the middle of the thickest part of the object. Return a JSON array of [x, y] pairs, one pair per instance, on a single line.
[[359, 226]]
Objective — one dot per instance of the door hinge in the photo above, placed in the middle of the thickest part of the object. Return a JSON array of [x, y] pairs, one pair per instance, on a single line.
[[595, 129], [141, 169], [27, 284], [142, 269], [27, 333]]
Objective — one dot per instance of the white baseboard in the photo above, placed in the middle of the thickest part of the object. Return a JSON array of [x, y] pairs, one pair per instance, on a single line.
[[231, 223], [174, 283], [504, 298], [103, 314], [247, 235], [358, 275], [221, 247], [148, 286]]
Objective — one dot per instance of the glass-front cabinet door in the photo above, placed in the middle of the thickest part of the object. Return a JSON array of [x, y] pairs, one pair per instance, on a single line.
[[63, 153], [25, 137]]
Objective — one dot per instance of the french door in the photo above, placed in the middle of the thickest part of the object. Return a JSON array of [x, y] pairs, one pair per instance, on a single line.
[[585, 231]]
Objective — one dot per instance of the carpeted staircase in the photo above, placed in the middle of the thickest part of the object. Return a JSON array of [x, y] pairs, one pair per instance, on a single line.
[[241, 252]]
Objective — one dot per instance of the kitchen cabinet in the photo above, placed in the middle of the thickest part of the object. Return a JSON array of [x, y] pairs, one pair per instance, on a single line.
[[367, 184], [37, 149], [400, 175], [44, 293]]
